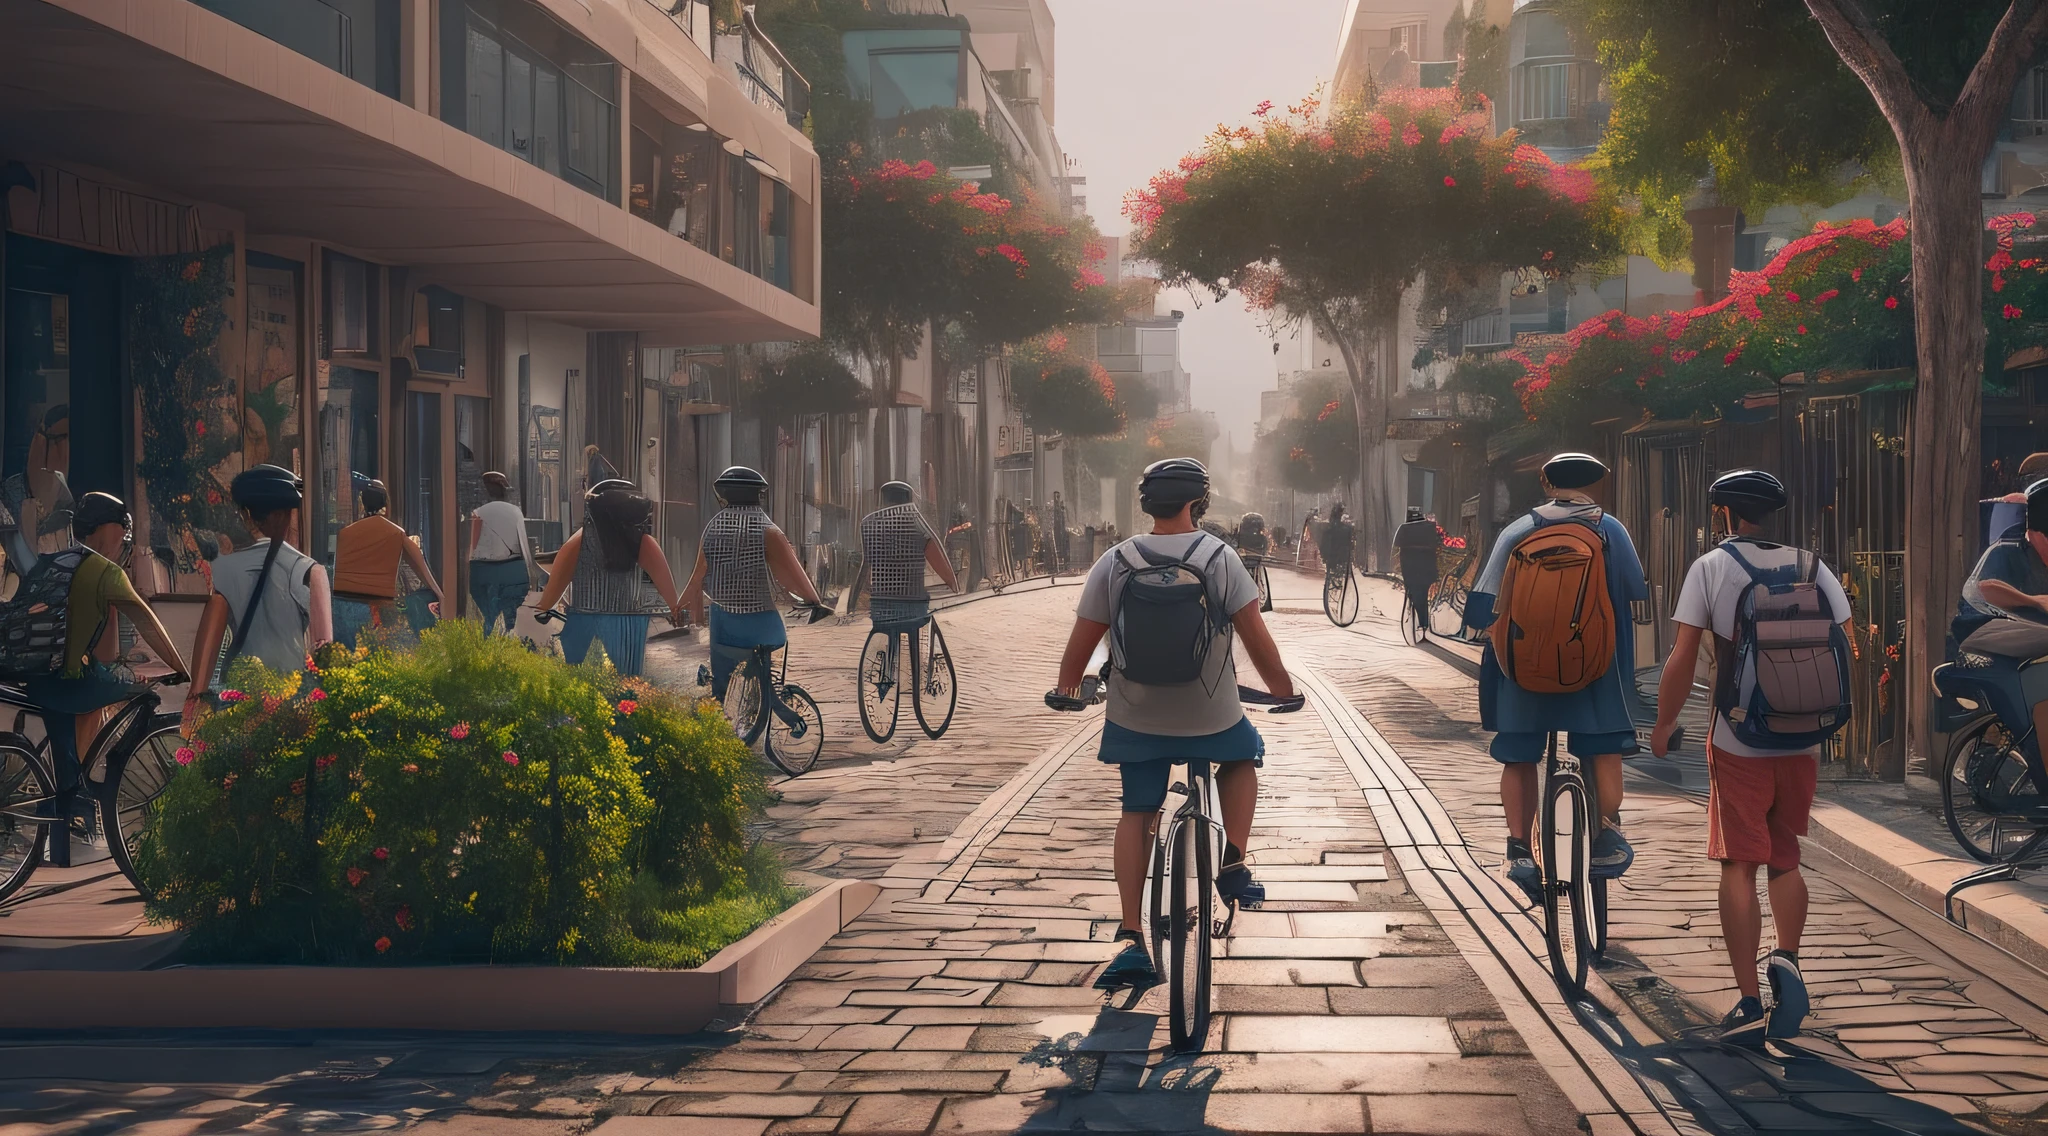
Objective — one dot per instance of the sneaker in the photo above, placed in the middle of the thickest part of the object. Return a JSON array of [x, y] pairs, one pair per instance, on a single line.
[[1744, 1024], [1131, 967], [1788, 995], [1612, 853], [1236, 885], [1523, 873]]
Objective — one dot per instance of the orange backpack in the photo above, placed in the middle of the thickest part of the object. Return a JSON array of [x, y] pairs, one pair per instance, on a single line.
[[1555, 631]]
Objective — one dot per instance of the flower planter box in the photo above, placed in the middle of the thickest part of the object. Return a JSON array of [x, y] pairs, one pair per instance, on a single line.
[[543, 998]]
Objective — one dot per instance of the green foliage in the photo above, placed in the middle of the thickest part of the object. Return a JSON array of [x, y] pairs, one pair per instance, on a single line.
[[1318, 444], [467, 801], [810, 380], [1059, 392], [191, 418]]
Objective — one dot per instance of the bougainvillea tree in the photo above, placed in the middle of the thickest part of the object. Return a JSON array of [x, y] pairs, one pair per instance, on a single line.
[[1328, 215], [1317, 446], [1061, 392]]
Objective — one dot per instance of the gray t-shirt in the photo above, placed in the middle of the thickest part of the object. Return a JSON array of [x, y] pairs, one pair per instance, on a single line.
[[278, 634], [1195, 709]]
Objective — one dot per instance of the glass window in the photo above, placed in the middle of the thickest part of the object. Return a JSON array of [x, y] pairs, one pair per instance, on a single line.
[[472, 456], [358, 38], [904, 81], [743, 207], [423, 475], [533, 88], [348, 304], [1546, 91], [486, 86], [775, 206], [438, 347], [348, 403]]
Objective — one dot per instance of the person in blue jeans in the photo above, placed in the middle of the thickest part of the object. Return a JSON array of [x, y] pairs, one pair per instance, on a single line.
[[1598, 721], [1150, 728]]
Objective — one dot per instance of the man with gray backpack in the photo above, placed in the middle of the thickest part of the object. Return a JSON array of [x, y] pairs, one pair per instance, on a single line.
[[1781, 688], [1169, 602]]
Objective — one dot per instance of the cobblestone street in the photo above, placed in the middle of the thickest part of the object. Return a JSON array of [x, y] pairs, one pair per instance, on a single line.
[[1389, 985]]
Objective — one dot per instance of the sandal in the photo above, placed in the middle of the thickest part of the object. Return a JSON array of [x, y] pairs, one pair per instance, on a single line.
[[1132, 967]]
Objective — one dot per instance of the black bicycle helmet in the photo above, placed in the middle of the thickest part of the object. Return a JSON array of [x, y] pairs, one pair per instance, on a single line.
[[96, 509], [740, 483], [1414, 514], [268, 488], [1251, 523], [1573, 471], [1747, 490], [1175, 481], [897, 493], [2037, 506]]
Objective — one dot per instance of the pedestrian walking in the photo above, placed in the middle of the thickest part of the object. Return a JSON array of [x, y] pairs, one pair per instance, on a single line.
[[1416, 542], [1525, 694], [274, 597], [1761, 765], [1307, 554], [740, 560], [609, 604], [1060, 541], [1338, 541], [366, 559], [501, 567]]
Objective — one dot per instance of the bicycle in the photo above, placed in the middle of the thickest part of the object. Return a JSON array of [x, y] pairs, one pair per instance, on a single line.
[[1454, 587], [788, 725], [933, 679], [1991, 784], [1340, 595], [1574, 903], [1255, 563], [127, 768], [1180, 880]]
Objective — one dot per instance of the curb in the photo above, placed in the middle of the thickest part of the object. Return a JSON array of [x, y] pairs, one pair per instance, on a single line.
[[461, 998], [2000, 914]]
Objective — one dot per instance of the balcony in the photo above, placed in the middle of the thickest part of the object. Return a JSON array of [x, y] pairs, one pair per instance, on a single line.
[[358, 38]]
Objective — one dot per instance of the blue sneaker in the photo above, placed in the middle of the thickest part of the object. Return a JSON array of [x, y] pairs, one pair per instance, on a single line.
[[1131, 967], [1788, 995], [1612, 853], [1744, 1024], [1523, 873]]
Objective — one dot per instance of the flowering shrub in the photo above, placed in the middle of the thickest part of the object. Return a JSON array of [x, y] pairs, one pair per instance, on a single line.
[[465, 801], [1060, 392]]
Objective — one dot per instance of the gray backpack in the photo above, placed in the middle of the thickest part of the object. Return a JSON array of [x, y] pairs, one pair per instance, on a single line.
[[35, 625], [1783, 681], [1163, 615]]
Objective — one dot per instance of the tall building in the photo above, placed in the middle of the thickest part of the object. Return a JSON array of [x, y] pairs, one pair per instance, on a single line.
[[395, 240]]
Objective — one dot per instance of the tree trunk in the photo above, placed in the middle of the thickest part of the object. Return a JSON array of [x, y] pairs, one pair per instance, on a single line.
[[1945, 450], [1378, 495]]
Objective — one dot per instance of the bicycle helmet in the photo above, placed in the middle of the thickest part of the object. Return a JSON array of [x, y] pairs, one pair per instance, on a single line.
[[1175, 481], [2037, 506], [607, 485], [1251, 523], [268, 488], [739, 485], [96, 509], [897, 493], [1573, 471], [1414, 514], [1748, 492]]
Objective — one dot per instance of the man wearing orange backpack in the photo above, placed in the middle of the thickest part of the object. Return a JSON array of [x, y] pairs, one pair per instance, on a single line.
[[1555, 594]]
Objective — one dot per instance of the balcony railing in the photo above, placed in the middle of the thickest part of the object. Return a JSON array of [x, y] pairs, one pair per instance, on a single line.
[[1489, 330]]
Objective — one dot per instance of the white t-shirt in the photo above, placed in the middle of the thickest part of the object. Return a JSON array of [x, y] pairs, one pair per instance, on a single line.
[[504, 532], [1712, 598], [1208, 705]]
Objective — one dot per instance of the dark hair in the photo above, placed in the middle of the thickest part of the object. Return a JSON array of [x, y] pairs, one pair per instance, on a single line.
[[740, 495], [621, 517], [1751, 512], [375, 497], [497, 485], [96, 509], [1163, 509]]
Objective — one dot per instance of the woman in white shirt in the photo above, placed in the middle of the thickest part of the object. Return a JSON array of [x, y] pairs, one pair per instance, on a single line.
[[498, 555]]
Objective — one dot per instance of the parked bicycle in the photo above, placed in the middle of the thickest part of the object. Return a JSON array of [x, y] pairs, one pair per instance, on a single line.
[[1340, 595], [933, 683], [126, 770], [764, 707], [1447, 597], [1181, 899], [1994, 792], [1256, 565]]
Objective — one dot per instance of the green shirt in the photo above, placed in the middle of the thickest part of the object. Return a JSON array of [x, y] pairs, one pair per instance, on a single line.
[[98, 584]]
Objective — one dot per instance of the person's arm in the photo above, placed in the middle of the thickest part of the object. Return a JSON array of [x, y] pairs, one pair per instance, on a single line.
[[1675, 686], [935, 556], [655, 563], [319, 607], [1264, 653], [213, 626], [788, 570], [1081, 643], [693, 594], [2008, 598], [412, 555], [561, 571], [476, 533]]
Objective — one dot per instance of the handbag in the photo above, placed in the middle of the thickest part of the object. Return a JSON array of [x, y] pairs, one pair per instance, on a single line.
[[2009, 638]]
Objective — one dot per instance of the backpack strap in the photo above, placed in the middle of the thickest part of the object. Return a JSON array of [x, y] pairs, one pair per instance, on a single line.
[[249, 613]]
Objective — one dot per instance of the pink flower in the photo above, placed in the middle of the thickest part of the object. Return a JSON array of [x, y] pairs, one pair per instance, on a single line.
[[1891, 302], [356, 876], [1855, 274], [316, 695], [382, 944], [408, 767], [233, 696], [627, 706], [1729, 359], [403, 917], [324, 762], [1263, 109], [1450, 181], [1802, 329], [1824, 297], [1411, 135], [382, 853], [511, 758], [2011, 312], [459, 731], [185, 755], [1791, 297]]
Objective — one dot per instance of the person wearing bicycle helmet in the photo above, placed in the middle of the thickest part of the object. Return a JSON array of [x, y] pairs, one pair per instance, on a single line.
[[1153, 724], [1598, 719], [1416, 543], [1758, 799], [270, 601], [896, 544], [610, 601], [740, 560], [1337, 541], [2010, 582], [367, 555], [1251, 535], [69, 699]]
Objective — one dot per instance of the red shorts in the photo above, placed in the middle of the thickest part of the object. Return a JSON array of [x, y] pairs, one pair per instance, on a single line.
[[1757, 807]]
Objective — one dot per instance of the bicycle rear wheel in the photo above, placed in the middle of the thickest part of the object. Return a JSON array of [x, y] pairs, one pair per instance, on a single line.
[[26, 788], [1988, 795], [1340, 598], [743, 705], [127, 803], [881, 696], [1411, 625], [1191, 910], [935, 692], [794, 747], [1567, 881]]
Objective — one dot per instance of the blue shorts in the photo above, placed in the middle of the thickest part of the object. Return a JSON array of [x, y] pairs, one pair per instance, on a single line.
[[1520, 748], [1146, 761]]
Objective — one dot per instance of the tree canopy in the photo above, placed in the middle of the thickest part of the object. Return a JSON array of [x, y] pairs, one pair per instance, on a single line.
[[1060, 392]]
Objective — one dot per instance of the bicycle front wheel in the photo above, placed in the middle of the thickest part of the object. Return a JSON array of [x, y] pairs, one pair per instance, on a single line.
[[743, 705], [1568, 882], [1191, 909], [794, 746], [1340, 598], [881, 696], [937, 690], [128, 802], [26, 789]]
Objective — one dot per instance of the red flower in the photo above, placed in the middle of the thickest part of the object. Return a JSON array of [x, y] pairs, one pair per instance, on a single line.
[[408, 767], [403, 917], [1791, 297], [1450, 181], [1411, 135], [2011, 312], [382, 853], [316, 695], [1802, 329], [1729, 359], [382, 944], [1855, 274], [511, 758], [356, 876], [1891, 302], [459, 731], [324, 762], [627, 706], [185, 755], [1263, 109], [232, 696]]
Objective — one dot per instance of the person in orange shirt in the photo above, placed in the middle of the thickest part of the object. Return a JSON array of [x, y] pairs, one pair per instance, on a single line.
[[366, 557]]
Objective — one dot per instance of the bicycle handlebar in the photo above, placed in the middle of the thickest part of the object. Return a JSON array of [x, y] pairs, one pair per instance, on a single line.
[[1264, 698]]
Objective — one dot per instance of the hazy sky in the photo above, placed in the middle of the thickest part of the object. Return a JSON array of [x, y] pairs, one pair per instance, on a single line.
[[1140, 83]]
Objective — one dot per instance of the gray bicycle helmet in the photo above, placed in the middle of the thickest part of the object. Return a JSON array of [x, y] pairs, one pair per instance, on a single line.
[[1175, 481], [897, 493], [1573, 471], [1748, 490]]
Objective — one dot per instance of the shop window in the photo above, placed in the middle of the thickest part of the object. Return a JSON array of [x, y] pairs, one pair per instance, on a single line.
[[348, 421], [351, 303], [437, 348], [522, 82], [673, 176]]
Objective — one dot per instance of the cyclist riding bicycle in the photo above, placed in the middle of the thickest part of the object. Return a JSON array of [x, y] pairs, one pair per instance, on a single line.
[[1597, 716], [1251, 535], [2010, 582], [1417, 542], [1336, 540], [1182, 634], [896, 543], [740, 559]]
